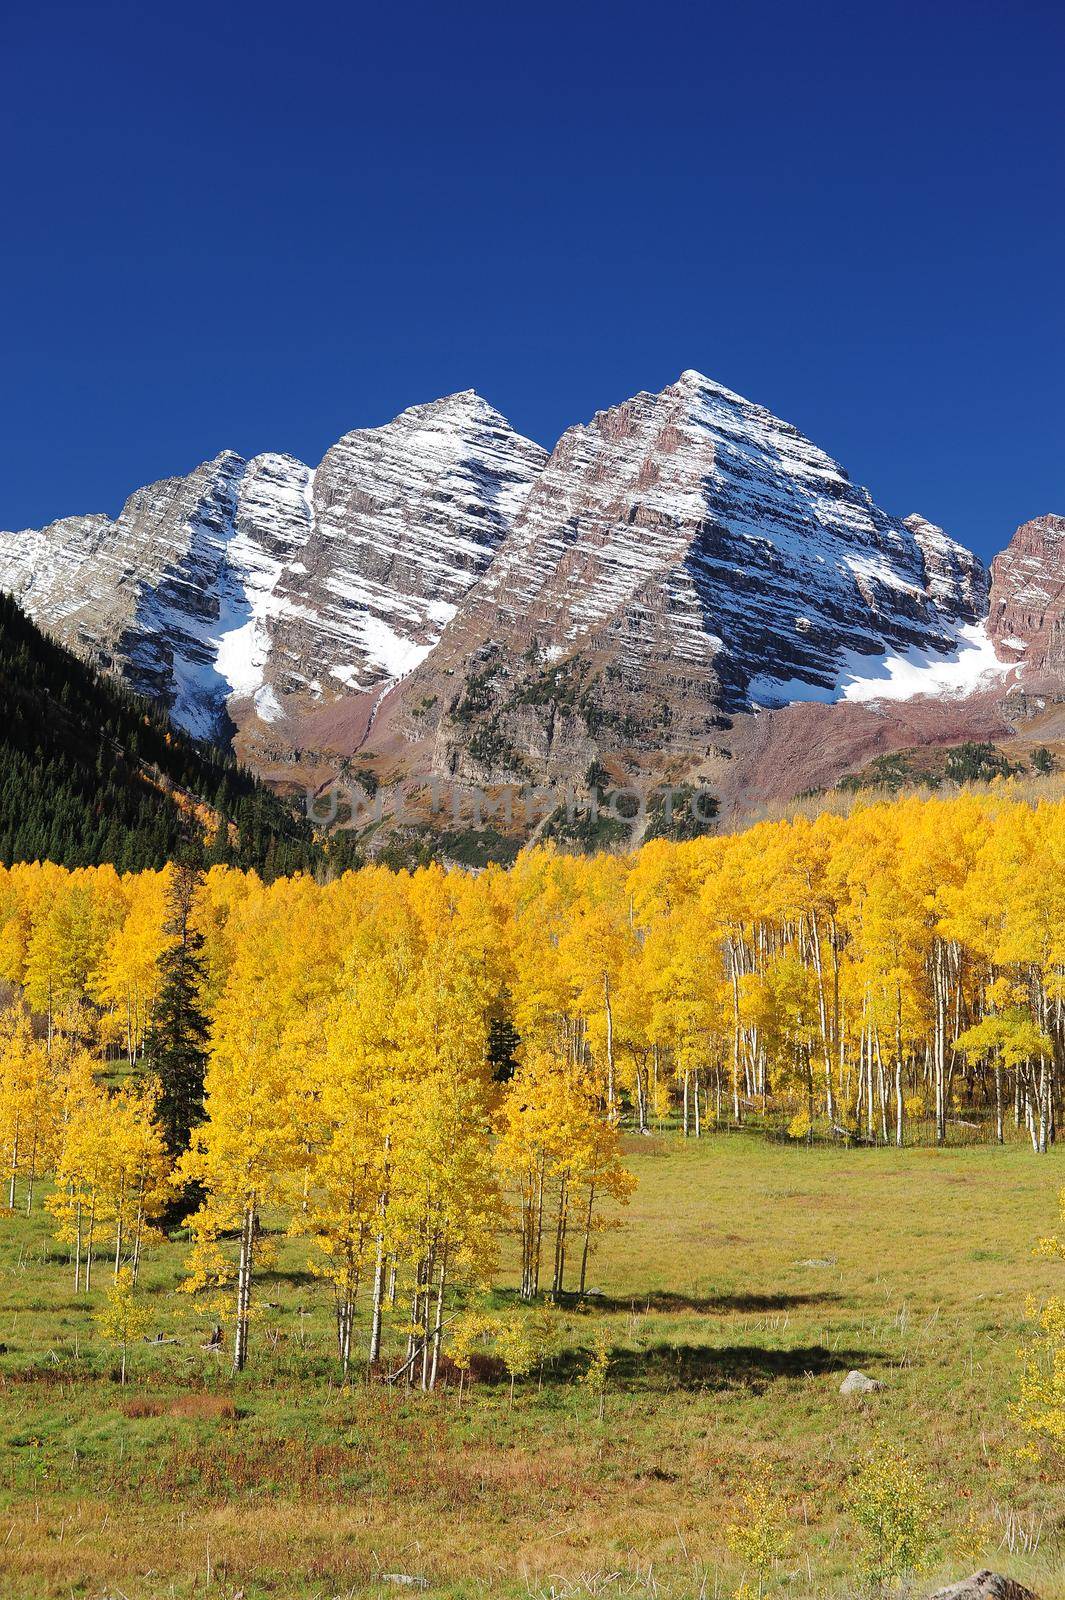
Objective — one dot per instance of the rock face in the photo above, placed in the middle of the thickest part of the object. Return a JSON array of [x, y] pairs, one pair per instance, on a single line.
[[1026, 618], [248, 584], [405, 519], [954, 577], [683, 557], [146, 595], [686, 585], [985, 1586]]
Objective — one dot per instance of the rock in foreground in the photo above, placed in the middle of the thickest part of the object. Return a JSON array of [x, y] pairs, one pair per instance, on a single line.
[[985, 1586], [859, 1383]]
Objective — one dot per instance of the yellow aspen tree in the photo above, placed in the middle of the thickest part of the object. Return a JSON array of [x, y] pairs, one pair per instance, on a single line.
[[122, 1318], [126, 977], [80, 1200], [249, 1147]]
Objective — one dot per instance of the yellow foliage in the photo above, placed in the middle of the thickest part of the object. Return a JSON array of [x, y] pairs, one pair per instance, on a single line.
[[894, 1509], [857, 972], [762, 1535]]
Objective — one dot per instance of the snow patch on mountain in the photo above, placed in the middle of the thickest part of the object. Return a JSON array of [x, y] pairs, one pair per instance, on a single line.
[[971, 665], [388, 650]]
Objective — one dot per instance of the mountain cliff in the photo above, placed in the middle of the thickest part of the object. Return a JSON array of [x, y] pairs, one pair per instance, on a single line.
[[686, 585], [1026, 616], [225, 593], [683, 558]]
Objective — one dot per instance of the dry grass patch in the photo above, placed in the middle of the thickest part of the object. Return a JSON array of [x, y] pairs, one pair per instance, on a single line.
[[747, 1279]]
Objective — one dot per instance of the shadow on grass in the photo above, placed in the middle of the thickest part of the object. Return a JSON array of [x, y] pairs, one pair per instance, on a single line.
[[664, 1300], [665, 1367], [295, 1277]]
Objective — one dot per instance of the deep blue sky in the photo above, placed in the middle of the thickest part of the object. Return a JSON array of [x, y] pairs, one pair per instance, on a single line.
[[258, 226]]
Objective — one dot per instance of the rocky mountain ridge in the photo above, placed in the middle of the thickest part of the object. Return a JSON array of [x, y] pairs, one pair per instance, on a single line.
[[683, 558], [1026, 614], [441, 595], [245, 583]]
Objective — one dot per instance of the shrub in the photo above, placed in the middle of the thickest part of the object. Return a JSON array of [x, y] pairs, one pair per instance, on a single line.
[[893, 1507], [762, 1536]]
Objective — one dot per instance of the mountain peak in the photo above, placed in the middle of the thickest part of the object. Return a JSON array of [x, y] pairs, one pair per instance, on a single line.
[[682, 558], [462, 404], [685, 556], [698, 384]]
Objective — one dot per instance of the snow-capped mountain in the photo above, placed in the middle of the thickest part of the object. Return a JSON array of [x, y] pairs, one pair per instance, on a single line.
[[683, 556], [250, 584], [441, 593]]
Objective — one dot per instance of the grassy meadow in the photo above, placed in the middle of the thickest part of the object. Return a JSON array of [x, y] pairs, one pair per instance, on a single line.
[[744, 1281]]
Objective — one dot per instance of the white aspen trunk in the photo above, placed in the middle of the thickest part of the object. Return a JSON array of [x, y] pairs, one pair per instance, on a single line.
[[77, 1251], [138, 1228], [88, 1243], [539, 1235], [609, 1042], [347, 1320], [940, 1038], [735, 1031], [377, 1298], [839, 1032], [118, 1224], [379, 1261], [14, 1163], [438, 1324], [412, 1336], [560, 1236], [881, 1079], [898, 1099], [33, 1158], [430, 1273], [244, 1269], [822, 1011], [587, 1237], [526, 1193], [528, 1243]]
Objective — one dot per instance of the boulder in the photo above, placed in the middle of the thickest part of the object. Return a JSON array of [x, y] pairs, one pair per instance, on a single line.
[[985, 1586], [858, 1383]]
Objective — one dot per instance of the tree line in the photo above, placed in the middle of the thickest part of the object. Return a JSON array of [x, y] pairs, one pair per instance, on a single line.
[[406, 1068], [92, 773]]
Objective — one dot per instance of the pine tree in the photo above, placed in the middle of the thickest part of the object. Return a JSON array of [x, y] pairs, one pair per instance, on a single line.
[[176, 1049]]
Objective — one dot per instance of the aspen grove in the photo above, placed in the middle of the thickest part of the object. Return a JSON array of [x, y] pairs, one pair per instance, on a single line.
[[417, 1071]]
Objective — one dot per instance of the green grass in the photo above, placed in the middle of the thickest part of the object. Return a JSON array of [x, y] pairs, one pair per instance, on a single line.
[[727, 1352]]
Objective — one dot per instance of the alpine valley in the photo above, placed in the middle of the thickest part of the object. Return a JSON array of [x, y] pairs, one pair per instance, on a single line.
[[686, 589]]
